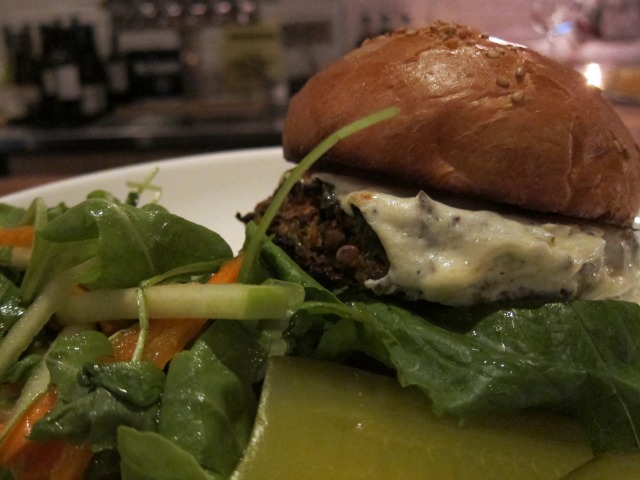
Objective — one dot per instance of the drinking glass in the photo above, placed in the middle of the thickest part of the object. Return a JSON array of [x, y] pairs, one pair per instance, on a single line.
[[552, 18]]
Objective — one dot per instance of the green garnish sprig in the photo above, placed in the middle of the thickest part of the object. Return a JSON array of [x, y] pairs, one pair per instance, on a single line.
[[252, 248]]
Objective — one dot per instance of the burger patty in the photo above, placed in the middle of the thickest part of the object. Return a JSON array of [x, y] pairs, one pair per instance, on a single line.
[[336, 248], [344, 232]]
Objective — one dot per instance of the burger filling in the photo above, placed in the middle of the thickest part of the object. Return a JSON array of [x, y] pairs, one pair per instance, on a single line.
[[391, 242]]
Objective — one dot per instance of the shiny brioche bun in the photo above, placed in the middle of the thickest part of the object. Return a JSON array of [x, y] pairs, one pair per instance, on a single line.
[[477, 118]]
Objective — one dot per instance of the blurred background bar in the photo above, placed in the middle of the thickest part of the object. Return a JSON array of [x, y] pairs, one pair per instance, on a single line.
[[92, 84]]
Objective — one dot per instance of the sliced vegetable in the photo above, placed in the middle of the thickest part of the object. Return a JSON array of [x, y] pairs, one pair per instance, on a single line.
[[38, 460], [72, 463], [166, 337], [323, 421], [17, 236], [16, 441], [232, 301], [622, 465], [229, 271], [35, 317], [149, 456]]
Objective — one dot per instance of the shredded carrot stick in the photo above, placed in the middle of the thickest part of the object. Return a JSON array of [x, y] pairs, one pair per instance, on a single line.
[[167, 337], [16, 440], [110, 327], [72, 462], [17, 236], [38, 459], [228, 272], [170, 336]]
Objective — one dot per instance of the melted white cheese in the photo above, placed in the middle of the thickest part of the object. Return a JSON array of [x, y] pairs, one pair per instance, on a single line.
[[459, 256]]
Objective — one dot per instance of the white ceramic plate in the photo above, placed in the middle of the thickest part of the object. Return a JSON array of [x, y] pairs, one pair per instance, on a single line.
[[207, 189]]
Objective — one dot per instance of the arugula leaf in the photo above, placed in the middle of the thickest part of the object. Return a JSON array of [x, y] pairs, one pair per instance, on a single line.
[[126, 245], [275, 263], [95, 413], [11, 215], [69, 421], [69, 354], [218, 408], [20, 371], [12, 307], [138, 383], [241, 347], [95, 398], [109, 412]]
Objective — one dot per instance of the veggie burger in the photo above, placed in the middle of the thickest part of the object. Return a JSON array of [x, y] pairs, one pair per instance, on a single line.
[[504, 176]]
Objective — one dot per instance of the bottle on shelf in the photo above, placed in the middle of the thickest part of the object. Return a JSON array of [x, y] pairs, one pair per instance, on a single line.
[[117, 72], [386, 25], [27, 73], [22, 73], [47, 71], [366, 31], [61, 76], [93, 78]]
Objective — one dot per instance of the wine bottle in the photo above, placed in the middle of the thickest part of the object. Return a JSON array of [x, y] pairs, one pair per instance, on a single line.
[[117, 72], [63, 64], [93, 78], [26, 73]]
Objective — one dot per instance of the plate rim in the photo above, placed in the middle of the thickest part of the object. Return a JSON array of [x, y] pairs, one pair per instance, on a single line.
[[19, 198]]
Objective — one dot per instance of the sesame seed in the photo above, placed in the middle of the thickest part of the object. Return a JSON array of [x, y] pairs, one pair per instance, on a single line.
[[520, 72], [502, 82], [517, 97], [492, 54], [452, 42], [447, 29], [616, 144], [411, 33]]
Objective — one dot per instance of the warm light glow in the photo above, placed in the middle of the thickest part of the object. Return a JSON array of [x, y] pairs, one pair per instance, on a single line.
[[593, 74]]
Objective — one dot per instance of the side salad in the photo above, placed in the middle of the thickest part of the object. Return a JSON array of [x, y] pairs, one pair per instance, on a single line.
[[124, 326]]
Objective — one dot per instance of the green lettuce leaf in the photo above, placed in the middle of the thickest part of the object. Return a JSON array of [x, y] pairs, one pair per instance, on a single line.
[[12, 306], [11, 215], [218, 408], [125, 244], [97, 397], [123, 393], [69, 354]]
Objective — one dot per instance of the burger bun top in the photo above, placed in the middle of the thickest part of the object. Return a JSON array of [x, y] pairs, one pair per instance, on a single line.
[[478, 117]]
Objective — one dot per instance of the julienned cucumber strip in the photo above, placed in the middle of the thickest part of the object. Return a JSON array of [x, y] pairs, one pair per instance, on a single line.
[[232, 301], [253, 247], [36, 385], [34, 319]]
